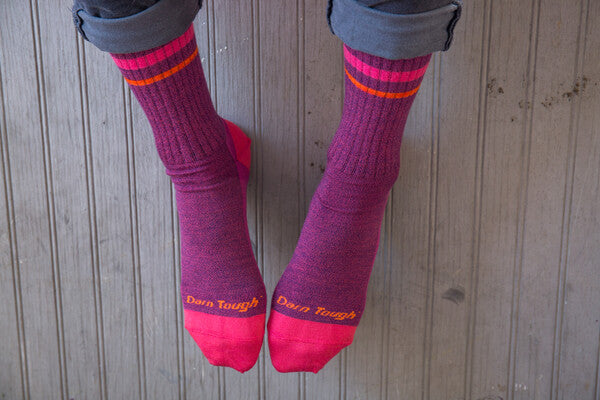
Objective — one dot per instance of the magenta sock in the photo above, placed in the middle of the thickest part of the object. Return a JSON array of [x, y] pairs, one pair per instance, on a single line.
[[321, 296], [208, 159]]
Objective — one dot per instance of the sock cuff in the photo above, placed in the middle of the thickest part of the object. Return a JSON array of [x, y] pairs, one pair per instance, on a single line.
[[158, 63], [169, 84], [378, 97], [402, 70]]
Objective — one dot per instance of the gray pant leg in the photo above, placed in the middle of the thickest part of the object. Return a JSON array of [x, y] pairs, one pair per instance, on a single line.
[[405, 6], [395, 29], [112, 8], [130, 26]]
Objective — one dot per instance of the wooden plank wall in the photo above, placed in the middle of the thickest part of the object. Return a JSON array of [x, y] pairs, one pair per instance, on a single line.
[[486, 285]]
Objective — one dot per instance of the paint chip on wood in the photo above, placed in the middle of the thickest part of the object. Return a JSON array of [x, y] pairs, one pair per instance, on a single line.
[[455, 294]]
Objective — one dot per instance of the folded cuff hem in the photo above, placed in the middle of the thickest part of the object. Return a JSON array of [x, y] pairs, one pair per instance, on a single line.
[[393, 36], [153, 27]]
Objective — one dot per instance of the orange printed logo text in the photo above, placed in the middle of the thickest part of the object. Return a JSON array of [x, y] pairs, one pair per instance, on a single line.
[[322, 311]]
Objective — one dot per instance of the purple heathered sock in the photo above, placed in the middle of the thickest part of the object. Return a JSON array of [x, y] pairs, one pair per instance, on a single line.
[[207, 159], [321, 296]]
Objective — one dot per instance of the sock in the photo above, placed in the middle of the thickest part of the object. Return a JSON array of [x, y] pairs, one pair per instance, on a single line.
[[208, 160], [320, 298]]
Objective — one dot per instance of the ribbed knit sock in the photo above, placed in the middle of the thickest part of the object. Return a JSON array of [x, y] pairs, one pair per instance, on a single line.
[[320, 298], [208, 160]]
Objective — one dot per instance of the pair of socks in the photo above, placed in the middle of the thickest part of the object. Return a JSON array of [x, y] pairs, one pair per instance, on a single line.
[[320, 298]]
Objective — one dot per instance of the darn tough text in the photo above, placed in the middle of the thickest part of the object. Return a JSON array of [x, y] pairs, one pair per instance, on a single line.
[[224, 305], [322, 311]]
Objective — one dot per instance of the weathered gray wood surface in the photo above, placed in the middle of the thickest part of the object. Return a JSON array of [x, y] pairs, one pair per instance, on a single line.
[[487, 280]]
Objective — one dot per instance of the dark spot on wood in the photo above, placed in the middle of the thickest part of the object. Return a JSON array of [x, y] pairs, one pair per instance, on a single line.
[[548, 101], [568, 95], [455, 294], [493, 88], [578, 87], [524, 104], [312, 164]]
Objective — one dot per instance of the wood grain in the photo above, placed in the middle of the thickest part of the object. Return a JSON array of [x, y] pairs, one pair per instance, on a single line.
[[12, 378], [68, 163], [508, 88], [541, 269], [457, 162], [34, 252], [578, 365]]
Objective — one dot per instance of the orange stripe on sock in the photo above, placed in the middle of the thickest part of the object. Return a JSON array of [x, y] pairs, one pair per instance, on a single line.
[[387, 95], [165, 74]]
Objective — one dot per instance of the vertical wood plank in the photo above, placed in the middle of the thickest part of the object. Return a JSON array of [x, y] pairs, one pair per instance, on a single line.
[[135, 240], [322, 79], [255, 222], [408, 276], [541, 277], [106, 94], [456, 204], [33, 254], [578, 373], [508, 90], [278, 168], [68, 155], [11, 366]]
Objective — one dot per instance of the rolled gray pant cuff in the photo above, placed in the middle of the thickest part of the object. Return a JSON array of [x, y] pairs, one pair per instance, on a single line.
[[393, 36], [153, 27]]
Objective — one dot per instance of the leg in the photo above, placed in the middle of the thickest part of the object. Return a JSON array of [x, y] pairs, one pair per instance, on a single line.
[[395, 29], [112, 8], [320, 298], [123, 26], [208, 160]]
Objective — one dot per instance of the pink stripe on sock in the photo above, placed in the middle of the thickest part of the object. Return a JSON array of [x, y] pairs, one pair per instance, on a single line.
[[381, 74], [157, 55], [221, 326]]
